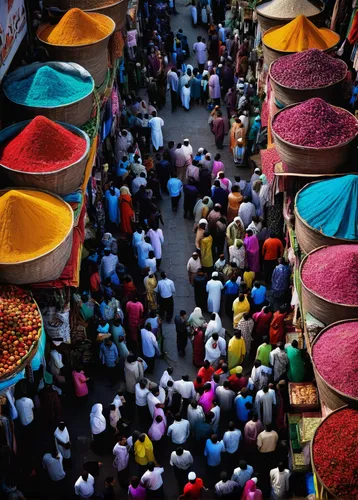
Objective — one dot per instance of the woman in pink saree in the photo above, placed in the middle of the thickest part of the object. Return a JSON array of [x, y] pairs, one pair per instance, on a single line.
[[206, 399], [252, 251], [250, 491]]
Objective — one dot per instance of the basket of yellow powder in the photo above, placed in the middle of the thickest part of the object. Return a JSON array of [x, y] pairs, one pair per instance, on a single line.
[[298, 35], [82, 38], [36, 236]]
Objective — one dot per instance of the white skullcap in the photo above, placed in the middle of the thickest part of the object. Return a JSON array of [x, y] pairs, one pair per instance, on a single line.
[[186, 140], [257, 170], [191, 476], [215, 274], [220, 25]]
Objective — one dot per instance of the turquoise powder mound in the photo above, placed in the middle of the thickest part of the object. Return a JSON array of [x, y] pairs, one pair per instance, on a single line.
[[48, 87]]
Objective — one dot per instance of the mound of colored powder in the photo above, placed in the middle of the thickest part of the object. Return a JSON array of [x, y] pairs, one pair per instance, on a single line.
[[42, 146], [308, 70], [335, 453], [49, 87], [299, 35], [287, 9], [340, 370], [315, 124], [31, 224], [78, 28], [332, 273]]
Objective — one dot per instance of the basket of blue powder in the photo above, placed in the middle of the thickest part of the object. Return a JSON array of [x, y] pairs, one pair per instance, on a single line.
[[59, 91]]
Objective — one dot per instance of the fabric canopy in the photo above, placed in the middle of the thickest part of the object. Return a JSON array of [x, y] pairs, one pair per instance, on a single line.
[[331, 206]]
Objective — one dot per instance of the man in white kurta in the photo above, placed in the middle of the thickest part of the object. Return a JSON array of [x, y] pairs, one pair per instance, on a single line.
[[214, 287], [185, 96], [157, 240], [156, 125]]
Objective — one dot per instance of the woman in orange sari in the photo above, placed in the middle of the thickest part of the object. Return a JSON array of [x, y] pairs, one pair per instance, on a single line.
[[126, 209], [237, 131], [234, 201]]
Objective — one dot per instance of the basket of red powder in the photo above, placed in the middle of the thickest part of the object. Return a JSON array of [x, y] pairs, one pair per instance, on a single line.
[[305, 75], [334, 453], [44, 154], [337, 376], [314, 137], [329, 277]]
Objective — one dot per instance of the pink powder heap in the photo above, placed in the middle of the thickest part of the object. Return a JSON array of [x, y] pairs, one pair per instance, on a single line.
[[340, 370], [332, 273], [315, 124]]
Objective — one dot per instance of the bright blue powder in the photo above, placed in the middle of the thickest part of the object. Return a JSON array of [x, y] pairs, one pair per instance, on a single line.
[[49, 87]]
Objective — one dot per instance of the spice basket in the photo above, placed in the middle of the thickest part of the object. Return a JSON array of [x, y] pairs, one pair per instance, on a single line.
[[299, 408], [63, 181], [287, 95], [267, 22], [93, 57], [324, 310], [318, 477], [270, 55], [76, 113], [332, 397], [46, 267], [30, 355], [308, 237], [309, 160]]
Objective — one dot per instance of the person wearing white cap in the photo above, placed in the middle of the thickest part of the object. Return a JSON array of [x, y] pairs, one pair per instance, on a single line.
[[255, 176], [193, 488], [214, 287], [239, 152], [188, 150]]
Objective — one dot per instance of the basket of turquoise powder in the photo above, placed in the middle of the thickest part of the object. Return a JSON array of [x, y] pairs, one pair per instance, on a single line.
[[59, 91]]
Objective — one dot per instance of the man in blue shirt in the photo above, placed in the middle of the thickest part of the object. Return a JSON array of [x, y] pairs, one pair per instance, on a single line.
[[213, 451], [258, 294], [174, 187], [243, 405], [231, 291], [109, 357]]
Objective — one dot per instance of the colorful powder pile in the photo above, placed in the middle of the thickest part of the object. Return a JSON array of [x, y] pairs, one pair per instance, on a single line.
[[339, 370], [78, 28], [48, 87], [308, 70], [332, 273], [287, 9], [315, 124], [335, 453], [31, 224], [42, 146], [299, 35]]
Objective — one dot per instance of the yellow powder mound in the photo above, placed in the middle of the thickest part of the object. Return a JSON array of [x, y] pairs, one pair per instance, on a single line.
[[31, 224], [299, 35], [78, 28]]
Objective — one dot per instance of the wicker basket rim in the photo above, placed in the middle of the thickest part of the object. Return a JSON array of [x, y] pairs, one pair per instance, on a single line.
[[311, 291], [73, 129], [104, 7], [286, 18], [311, 148], [3, 191], [5, 86], [295, 51], [311, 449], [30, 354], [321, 333], [298, 215], [44, 27], [309, 88]]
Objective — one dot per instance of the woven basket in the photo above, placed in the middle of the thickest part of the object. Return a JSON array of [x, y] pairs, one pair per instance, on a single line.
[[326, 311], [286, 95], [308, 237], [63, 181], [117, 12], [327, 493], [76, 113], [268, 22], [308, 160], [270, 55], [46, 267], [332, 397], [29, 357], [93, 57]]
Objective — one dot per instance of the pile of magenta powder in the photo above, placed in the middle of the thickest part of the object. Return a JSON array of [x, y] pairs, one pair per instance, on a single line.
[[332, 273], [340, 370], [316, 124], [310, 69]]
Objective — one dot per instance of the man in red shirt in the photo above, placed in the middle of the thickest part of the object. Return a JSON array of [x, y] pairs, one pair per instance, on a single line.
[[206, 372], [271, 251], [237, 381], [193, 488]]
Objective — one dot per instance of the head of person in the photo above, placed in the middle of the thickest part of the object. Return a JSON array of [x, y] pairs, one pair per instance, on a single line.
[[237, 334], [170, 384], [109, 481], [135, 481], [163, 275], [241, 297], [265, 388], [243, 464], [154, 114], [281, 345], [207, 387], [112, 407], [142, 437], [143, 383], [281, 466], [257, 284], [294, 344], [215, 336], [194, 404], [214, 438], [177, 417], [170, 370], [244, 392], [148, 327], [226, 384], [151, 466], [159, 419], [225, 367], [192, 477], [185, 378], [84, 476]]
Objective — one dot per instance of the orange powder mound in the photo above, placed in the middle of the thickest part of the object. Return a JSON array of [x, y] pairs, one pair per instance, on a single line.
[[299, 35], [31, 224], [78, 28]]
